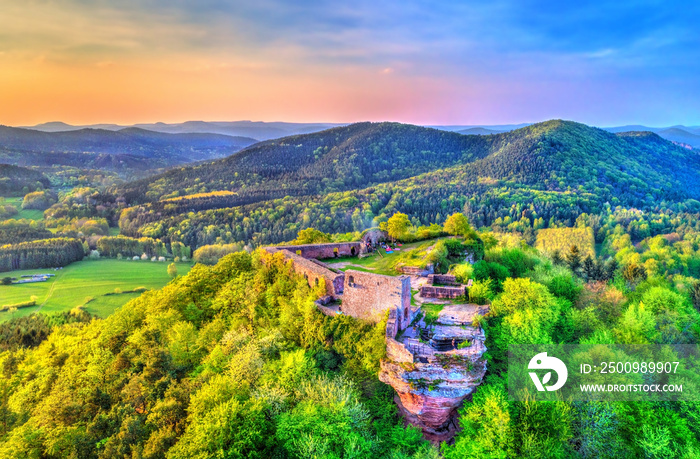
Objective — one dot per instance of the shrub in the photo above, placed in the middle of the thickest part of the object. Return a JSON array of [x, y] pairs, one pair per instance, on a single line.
[[463, 272], [490, 270], [480, 291], [565, 286], [24, 304]]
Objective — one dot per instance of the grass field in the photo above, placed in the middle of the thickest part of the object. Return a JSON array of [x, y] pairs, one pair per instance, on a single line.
[[77, 282], [28, 214], [410, 254]]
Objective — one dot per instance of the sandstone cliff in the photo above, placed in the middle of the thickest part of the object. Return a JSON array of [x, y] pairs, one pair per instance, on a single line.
[[432, 383]]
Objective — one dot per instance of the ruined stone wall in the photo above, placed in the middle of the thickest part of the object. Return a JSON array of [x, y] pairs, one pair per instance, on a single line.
[[314, 271], [368, 296], [374, 236], [415, 270], [444, 279], [321, 251], [392, 326], [427, 291]]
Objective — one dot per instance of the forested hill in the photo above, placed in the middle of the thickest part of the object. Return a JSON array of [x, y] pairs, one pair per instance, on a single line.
[[16, 180], [565, 156], [112, 150], [548, 173], [554, 155], [348, 157]]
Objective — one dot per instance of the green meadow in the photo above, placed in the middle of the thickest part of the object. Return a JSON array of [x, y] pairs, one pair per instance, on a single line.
[[411, 254], [86, 283], [29, 214]]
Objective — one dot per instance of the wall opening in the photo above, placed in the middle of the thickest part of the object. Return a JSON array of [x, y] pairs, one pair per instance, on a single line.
[[299, 252], [352, 251], [351, 281], [335, 252]]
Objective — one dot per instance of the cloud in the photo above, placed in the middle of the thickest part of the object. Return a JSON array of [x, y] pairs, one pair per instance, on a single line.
[[524, 50]]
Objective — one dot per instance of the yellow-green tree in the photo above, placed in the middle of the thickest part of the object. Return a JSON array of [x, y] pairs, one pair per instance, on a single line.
[[398, 225], [312, 236], [457, 224]]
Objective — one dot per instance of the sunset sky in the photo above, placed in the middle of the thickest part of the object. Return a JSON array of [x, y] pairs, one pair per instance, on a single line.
[[424, 62]]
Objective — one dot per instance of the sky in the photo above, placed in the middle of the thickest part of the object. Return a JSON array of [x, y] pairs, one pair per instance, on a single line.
[[423, 62]]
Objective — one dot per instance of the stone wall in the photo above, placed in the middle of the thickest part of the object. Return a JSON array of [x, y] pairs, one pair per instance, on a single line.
[[374, 236], [442, 279], [415, 270], [313, 271], [428, 291], [321, 251], [368, 296], [392, 326]]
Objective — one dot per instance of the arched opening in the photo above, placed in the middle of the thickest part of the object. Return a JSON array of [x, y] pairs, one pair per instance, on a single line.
[[335, 252], [316, 282], [299, 252], [351, 281], [352, 251]]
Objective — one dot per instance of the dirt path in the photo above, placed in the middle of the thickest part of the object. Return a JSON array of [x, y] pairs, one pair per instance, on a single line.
[[50, 292]]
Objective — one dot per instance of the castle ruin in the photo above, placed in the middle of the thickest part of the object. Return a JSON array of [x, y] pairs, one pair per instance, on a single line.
[[433, 367]]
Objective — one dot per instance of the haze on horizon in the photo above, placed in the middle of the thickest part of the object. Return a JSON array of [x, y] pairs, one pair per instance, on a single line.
[[601, 63]]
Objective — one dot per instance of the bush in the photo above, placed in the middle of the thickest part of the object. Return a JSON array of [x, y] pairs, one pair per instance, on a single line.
[[24, 304], [565, 286], [484, 270], [463, 272], [516, 260], [480, 291]]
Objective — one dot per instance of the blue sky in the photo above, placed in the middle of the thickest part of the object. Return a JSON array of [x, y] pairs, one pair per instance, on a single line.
[[601, 63]]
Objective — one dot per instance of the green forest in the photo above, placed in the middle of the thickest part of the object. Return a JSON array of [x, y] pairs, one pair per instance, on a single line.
[[573, 234], [234, 360]]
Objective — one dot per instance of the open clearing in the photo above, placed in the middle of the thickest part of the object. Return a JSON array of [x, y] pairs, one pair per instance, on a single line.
[[77, 282], [411, 254], [30, 214]]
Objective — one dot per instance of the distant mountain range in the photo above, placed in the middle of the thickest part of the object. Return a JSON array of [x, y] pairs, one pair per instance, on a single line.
[[259, 130], [129, 150]]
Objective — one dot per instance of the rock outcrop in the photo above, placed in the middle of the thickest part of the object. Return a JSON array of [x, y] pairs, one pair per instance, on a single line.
[[431, 388]]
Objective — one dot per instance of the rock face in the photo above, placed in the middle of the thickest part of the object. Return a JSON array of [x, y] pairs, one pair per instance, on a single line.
[[431, 388]]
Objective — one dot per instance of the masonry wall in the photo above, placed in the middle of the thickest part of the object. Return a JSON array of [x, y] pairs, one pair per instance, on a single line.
[[314, 271], [427, 291], [444, 279], [320, 251], [368, 296], [415, 270]]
